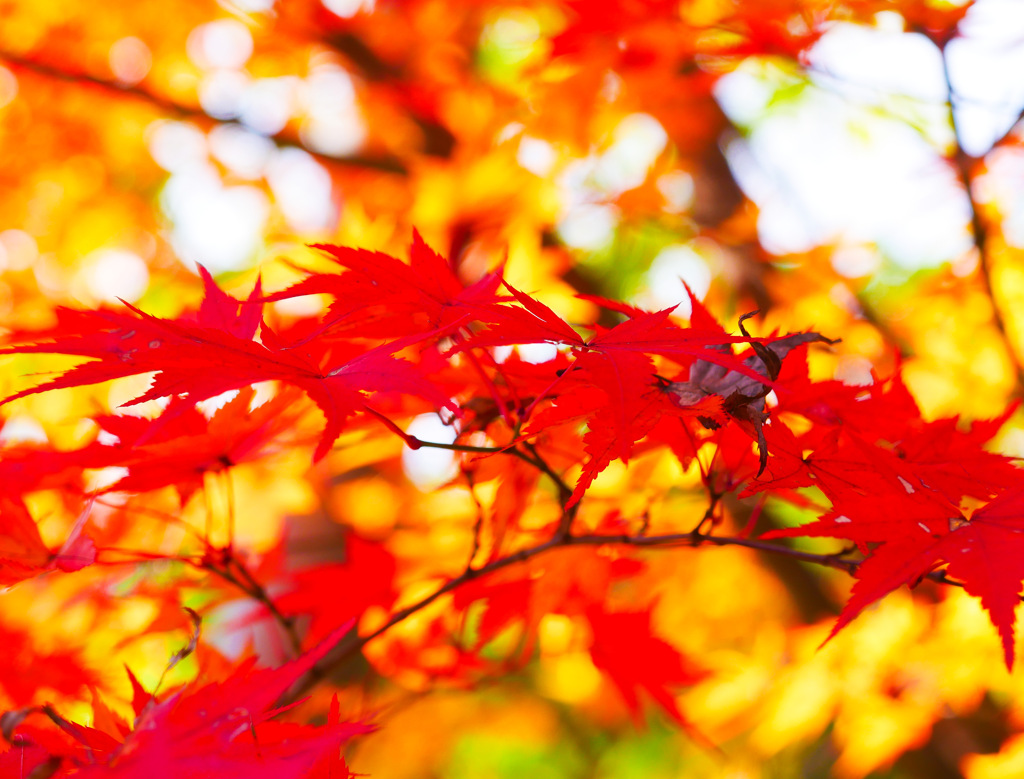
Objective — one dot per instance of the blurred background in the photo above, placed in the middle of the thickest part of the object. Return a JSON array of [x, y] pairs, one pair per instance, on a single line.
[[855, 168]]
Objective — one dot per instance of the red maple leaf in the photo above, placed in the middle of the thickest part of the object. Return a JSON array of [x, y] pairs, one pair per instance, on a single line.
[[528, 323], [26, 661], [23, 553], [570, 583], [837, 462], [920, 532], [379, 296], [220, 731], [603, 442], [181, 352], [181, 445], [635, 659], [220, 311], [335, 593], [943, 454], [617, 362]]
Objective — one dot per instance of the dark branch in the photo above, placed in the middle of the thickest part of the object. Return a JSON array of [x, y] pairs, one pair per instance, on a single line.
[[164, 104], [353, 643], [964, 164]]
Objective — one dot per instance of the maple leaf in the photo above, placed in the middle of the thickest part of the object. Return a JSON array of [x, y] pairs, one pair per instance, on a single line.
[[220, 311], [838, 463], [25, 662], [625, 348], [332, 765], [619, 411], [625, 380], [23, 553], [379, 296], [122, 344], [652, 332], [603, 443], [181, 352], [25, 468], [875, 452], [180, 445], [219, 731], [743, 394], [954, 462], [616, 362], [987, 555], [568, 584], [919, 533], [620, 638], [942, 454], [341, 391], [643, 333], [528, 323], [334, 593]]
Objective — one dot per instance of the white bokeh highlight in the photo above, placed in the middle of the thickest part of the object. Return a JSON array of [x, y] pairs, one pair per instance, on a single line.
[[244, 153], [857, 160], [222, 43], [302, 189], [346, 9], [332, 123], [18, 250], [672, 270], [116, 274], [215, 225], [130, 60], [429, 468]]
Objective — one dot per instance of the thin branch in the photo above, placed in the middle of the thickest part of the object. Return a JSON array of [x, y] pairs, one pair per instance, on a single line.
[[534, 459], [478, 525], [230, 489], [882, 325], [564, 490], [963, 163], [353, 643], [285, 138], [530, 456], [247, 583], [460, 447]]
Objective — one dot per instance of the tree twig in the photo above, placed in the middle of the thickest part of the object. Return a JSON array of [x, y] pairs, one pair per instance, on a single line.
[[167, 105], [564, 490], [248, 584], [478, 525], [459, 447], [964, 163], [353, 642]]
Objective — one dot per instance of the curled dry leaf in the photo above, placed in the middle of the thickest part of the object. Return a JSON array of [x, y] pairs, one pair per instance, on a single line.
[[743, 395]]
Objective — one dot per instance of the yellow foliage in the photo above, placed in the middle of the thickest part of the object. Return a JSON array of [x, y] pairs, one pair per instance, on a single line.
[[355, 128]]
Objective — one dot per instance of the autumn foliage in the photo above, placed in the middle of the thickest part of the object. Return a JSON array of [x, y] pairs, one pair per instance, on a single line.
[[428, 436]]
